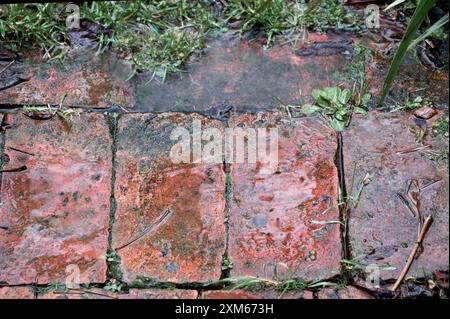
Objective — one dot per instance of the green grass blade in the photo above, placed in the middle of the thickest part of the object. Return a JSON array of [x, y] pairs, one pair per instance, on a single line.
[[394, 4], [416, 21], [439, 24]]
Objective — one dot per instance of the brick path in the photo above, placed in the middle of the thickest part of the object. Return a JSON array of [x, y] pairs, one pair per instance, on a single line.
[[72, 196]]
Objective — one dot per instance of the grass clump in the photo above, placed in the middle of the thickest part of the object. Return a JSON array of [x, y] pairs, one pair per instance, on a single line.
[[158, 36], [154, 35], [441, 126], [329, 15], [275, 17], [269, 16], [40, 24]]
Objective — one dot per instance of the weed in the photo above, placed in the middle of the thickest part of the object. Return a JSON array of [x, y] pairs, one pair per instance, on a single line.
[[332, 102], [158, 36], [227, 263], [356, 263], [330, 15], [62, 112], [275, 17], [42, 24], [420, 14], [267, 15], [282, 281], [411, 104], [113, 286], [441, 126]]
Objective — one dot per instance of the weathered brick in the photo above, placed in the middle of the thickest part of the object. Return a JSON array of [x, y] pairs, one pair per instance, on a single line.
[[56, 209], [16, 293], [87, 81], [95, 293], [160, 294], [275, 218], [348, 292], [245, 75], [244, 294], [178, 209], [382, 229]]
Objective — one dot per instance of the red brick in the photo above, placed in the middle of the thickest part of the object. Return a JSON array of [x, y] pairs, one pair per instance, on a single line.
[[244, 294], [160, 294], [187, 245], [89, 81], [382, 229], [245, 75], [92, 293], [271, 214], [57, 210], [16, 293], [348, 292], [95, 293]]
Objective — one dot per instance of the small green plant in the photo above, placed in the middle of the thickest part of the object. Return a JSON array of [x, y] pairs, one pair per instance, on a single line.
[[227, 264], [441, 126], [113, 286], [330, 15], [333, 102], [410, 104], [65, 114]]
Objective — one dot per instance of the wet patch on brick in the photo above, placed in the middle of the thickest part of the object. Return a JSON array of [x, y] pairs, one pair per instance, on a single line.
[[244, 294], [383, 229], [55, 200], [243, 74], [280, 219], [170, 217], [87, 80], [16, 293]]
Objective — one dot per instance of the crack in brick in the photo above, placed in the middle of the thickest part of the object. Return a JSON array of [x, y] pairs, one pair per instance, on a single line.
[[343, 210], [112, 259]]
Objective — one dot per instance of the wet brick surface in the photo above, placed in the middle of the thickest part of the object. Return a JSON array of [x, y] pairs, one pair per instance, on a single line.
[[383, 230], [176, 211], [243, 294], [95, 293], [87, 81], [56, 209], [275, 217]]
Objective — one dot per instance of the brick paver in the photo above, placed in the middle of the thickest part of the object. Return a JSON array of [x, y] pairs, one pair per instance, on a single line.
[[95, 293], [55, 200], [383, 230], [243, 74], [276, 219], [16, 293], [176, 210], [348, 292], [86, 81], [244, 294]]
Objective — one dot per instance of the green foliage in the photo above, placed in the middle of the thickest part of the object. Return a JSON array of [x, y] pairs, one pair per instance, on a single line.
[[42, 24], [441, 126], [274, 17], [410, 104], [154, 35], [267, 15], [333, 102], [417, 19], [329, 15]]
